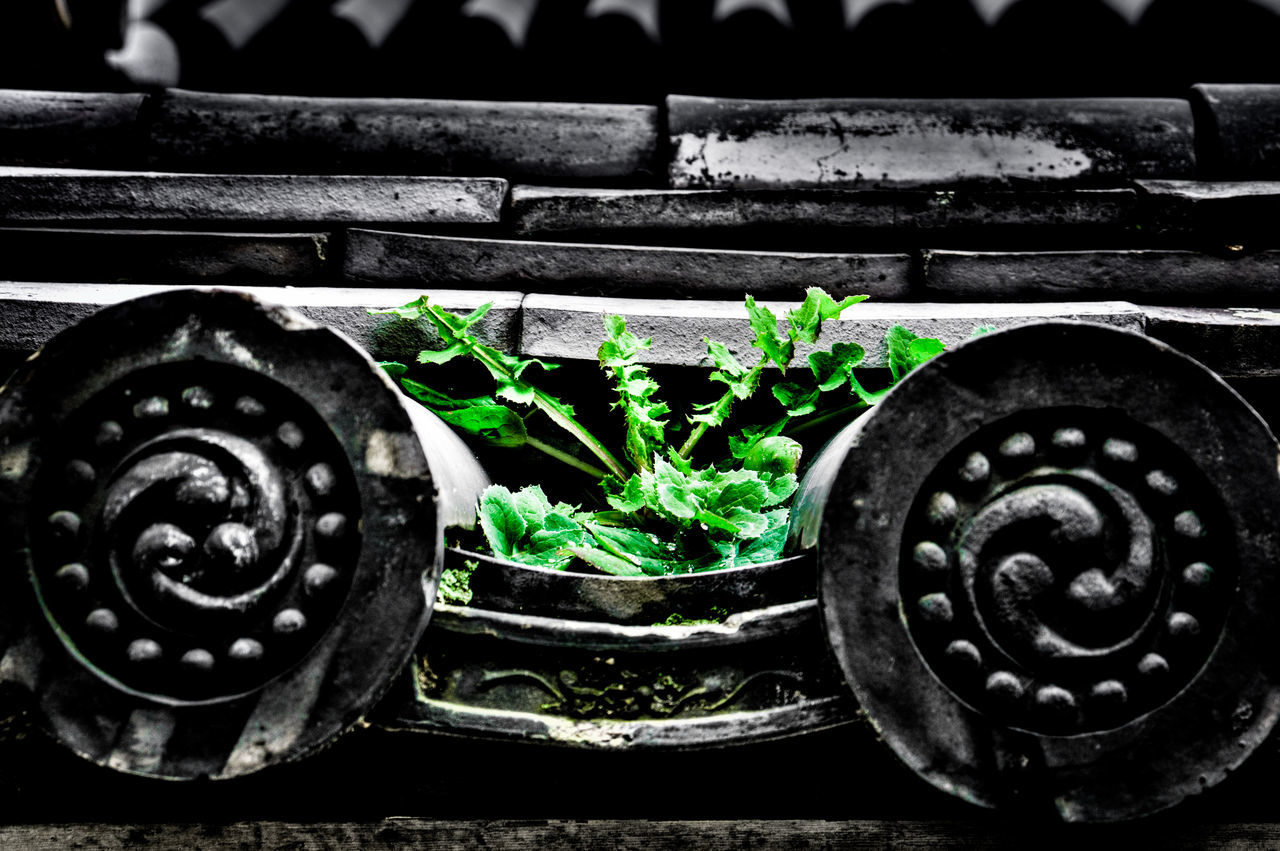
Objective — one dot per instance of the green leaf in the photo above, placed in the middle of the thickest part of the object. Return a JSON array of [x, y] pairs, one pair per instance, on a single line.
[[411, 311], [483, 417], [444, 355], [867, 396], [776, 347], [907, 351], [797, 399], [741, 445], [641, 411], [723, 359], [501, 520], [806, 320], [776, 456], [606, 561], [393, 368], [497, 425], [631, 498], [769, 545], [832, 369]]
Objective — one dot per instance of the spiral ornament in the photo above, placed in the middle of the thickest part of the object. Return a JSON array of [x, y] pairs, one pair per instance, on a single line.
[[193, 531], [1061, 568], [1047, 571], [228, 523]]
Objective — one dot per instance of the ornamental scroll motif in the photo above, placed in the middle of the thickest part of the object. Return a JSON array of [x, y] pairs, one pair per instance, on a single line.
[[200, 530], [1066, 570]]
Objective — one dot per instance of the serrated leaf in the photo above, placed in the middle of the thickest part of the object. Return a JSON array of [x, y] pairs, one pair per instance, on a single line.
[[831, 369], [806, 320], [907, 351], [684, 465], [775, 346], [723, 359], [769, 544], [797, 399], [443, 355], [501, 520], [533, 506], [411, 311], [631, 497], [776, 456], [514, 391], [741, 444], [636, 388]]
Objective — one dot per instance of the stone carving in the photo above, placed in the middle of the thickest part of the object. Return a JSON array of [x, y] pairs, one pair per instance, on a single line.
[[605, 691], [202, 528], [1066, 570]]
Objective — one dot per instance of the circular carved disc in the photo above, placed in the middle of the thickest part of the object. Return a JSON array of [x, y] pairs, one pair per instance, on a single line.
[[218, 525], [1049, 571]]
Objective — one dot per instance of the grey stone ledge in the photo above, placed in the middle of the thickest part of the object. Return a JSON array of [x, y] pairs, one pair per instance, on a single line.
[[402, 258], [1186, 276], [571, 327], [80, 195], [34, 312], [257, 133], [1210, 190], [718, 142], [161, 256], [84, 129], [1235, 342], [539, 210], [1238, 129]]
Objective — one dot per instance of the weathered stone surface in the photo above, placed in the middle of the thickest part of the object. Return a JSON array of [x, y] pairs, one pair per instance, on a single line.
[[537, 210], [941, 536], [404, 258], [710, 835], [719, 143], [1230, 211], [1237, 130], [63, 195], [66, 254], [202, 413], [571, 327], [1235, 342], [70, 128], [271, 133], [35, 312], [1152, 275]]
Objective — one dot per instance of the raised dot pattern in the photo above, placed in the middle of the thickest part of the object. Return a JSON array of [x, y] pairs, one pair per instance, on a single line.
[[1032, 580], [218, 551]]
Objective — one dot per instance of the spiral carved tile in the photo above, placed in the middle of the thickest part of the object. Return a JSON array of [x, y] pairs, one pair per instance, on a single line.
[[219, 530], [1063, 569], [193, 532], [1048, 571]]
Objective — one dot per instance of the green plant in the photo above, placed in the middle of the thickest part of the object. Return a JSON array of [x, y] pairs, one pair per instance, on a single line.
[[665, 513]]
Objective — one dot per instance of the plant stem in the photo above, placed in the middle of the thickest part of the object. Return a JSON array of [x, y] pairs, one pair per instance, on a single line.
[[561, 455], [549, 405], [818, 420], [554, 409], [686, 449]]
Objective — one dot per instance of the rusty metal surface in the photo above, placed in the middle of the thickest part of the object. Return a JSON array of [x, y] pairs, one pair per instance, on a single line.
[[1056, 592], [220, 531]]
